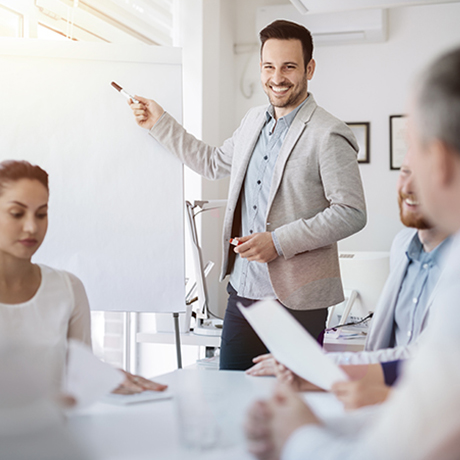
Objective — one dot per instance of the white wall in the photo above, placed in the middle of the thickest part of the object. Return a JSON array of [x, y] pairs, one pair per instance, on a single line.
[[218, 125], [207, 38], [367, 82]]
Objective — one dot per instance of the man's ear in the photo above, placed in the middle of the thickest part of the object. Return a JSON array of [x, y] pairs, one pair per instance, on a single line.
[[447, 163], [311, 66]]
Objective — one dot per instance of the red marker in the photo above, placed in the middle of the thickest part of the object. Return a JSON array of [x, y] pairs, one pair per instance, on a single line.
[[124, 93], [235, 242]]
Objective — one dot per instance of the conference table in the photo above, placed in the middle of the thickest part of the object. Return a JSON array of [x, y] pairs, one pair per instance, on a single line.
[[209, 405]]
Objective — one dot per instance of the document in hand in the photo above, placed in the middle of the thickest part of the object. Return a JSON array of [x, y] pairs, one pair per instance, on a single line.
[[88, 378], [145, 396], [291, 344]]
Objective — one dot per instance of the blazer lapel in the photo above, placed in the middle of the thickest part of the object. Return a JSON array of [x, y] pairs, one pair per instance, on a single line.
[[380, 332], [399, 274], [295, 131], [245, 156]]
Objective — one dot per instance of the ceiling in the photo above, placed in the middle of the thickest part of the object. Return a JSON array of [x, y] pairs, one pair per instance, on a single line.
[[322, 6]]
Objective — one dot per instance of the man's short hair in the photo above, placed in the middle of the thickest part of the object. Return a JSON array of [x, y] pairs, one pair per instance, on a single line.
[[287, 30], [437, 113]]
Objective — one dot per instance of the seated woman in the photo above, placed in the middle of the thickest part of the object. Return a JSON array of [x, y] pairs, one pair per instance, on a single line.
[[37, 302]]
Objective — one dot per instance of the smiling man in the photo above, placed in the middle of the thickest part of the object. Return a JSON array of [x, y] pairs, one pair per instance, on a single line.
[[402, 312], [295, 190], [284, 75]]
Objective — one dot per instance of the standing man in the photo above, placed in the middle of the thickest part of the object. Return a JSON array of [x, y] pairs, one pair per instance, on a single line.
[[420, 420], [295, 190]]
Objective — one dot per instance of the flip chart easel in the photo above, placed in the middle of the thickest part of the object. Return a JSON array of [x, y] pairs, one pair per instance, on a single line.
[[116, 214]]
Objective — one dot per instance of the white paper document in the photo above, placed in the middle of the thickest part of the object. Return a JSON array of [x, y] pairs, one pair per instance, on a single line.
[[88, 378], [145, 396], [291, 344]]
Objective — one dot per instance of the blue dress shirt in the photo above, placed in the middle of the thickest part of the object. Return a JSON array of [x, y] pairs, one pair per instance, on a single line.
[[251, 279], [421, 277]]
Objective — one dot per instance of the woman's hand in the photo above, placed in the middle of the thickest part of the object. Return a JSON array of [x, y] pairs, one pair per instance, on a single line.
[[286, 377], [264, 365], [358, 393], [137, 384], [267, 365], [269, 424], [365, 387]]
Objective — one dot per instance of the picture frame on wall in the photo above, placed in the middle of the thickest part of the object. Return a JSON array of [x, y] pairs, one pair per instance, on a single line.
[[361, 131], [398, 140]]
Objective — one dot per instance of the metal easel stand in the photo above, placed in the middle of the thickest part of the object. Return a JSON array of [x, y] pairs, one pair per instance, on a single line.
[[200, 273], [205, 325], [130, 345], [177, 338]]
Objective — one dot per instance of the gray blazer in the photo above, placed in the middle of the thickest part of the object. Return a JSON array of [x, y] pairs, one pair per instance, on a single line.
[[381, 329], [316, 196], [379, 338]]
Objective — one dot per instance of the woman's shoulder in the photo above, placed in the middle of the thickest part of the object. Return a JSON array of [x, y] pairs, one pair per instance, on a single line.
[[65, 290], [58, 277]]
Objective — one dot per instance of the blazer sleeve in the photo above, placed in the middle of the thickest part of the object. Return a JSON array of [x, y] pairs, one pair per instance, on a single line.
[[210, 162], [374, 357]]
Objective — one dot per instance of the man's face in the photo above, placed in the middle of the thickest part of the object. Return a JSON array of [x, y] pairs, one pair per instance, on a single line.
[[424, 169], [410, 211], [283, 74]]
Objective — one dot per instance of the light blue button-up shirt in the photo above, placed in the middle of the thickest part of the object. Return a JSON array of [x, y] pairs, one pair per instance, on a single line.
[[251, 279], [420, 279]]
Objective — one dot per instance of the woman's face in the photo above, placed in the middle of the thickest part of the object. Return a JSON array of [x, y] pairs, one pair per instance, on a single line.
[[23, 217]]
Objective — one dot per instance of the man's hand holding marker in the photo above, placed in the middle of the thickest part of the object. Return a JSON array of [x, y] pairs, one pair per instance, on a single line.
[[146, 111], [258, 247]]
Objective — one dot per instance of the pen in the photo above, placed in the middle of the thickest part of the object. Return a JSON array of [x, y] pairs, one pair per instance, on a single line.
[[122, 91]]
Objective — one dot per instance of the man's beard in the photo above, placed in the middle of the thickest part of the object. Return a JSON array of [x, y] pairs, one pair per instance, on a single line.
[[412, 221], [294, 99]]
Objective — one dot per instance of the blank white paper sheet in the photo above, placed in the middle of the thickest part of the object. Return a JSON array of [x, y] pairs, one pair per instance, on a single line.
[[291, 344]]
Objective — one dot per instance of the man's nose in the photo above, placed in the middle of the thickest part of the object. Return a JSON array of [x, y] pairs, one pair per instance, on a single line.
[[277, 77]]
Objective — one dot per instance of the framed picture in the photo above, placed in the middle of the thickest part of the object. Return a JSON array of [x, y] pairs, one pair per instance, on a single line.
[[361, 132], [398, 140]]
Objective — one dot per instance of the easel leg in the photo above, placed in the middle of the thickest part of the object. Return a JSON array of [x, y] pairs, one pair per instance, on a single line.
[[177, 332], [127, 341]]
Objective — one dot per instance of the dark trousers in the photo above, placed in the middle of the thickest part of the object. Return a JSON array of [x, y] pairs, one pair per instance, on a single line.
[[240, 344]]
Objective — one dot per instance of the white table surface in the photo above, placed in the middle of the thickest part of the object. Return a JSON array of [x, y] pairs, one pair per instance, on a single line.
[[187, 338], [150, 430], [341, 344], [331, 341]]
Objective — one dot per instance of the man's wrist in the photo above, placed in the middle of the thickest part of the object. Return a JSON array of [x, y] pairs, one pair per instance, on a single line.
[[157, 121]]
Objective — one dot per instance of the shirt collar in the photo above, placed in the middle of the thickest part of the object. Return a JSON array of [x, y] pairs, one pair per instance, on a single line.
[[416, 252], [287, 119]]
